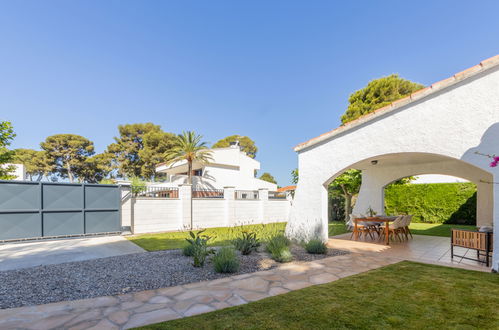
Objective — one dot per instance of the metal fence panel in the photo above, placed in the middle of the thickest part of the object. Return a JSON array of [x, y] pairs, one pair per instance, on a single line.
[[45, 209], [19, 196]]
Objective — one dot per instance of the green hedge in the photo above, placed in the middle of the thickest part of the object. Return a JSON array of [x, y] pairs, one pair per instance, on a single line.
[[453, 203]]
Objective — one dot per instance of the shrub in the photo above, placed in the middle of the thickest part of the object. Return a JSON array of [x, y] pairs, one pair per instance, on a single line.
[[188, 250], [282, 255], [316, 246], [247, 243], [278, 247], [199, 248], [451, 203], [276, 243], [226, 260]]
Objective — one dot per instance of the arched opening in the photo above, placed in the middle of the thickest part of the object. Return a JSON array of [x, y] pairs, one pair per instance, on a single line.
[[380, 171]]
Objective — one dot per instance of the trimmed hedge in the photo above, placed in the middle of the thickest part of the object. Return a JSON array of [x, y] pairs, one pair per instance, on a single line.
[[450, 203]]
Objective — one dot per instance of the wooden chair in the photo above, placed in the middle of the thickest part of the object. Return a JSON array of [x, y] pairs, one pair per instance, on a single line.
[[475, 240], [396, 228], [407, 223]]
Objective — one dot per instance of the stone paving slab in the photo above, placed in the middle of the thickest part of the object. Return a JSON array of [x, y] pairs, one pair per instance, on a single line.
[[147, 307]]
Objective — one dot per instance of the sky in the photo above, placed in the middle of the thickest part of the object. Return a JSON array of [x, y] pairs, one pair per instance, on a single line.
[[279, 72]]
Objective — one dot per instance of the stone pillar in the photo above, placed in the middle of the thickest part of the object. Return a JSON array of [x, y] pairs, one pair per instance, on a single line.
[[484, 204], [230, 207], [185, 196], [263, 196]]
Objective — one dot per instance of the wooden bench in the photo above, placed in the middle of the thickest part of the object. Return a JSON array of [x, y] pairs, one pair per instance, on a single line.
[[475, 240]]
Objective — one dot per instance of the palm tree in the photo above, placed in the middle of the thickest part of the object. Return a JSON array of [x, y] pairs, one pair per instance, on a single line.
[[188, 146]]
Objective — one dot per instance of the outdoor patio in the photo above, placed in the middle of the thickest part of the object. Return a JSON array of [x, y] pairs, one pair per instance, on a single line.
[[421, 248]]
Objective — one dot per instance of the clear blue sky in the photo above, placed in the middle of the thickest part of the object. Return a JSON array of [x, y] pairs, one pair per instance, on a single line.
[[277, 71]]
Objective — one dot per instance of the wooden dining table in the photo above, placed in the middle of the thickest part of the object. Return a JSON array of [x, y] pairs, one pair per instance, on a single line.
[[382, 219]]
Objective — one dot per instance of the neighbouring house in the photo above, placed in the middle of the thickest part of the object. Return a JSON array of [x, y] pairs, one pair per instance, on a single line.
[[19, 172], [448, 128], [229, 167]]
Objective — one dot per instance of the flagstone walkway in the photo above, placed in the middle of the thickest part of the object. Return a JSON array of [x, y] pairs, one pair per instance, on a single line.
[[146, 307]]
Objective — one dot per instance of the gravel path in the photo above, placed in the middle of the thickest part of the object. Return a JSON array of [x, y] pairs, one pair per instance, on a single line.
[[120, 274]]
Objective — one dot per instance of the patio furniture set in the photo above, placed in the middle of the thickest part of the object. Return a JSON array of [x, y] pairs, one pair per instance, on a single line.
[[381, 227]]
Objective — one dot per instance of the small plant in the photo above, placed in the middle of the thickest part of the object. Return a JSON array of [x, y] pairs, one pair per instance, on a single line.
[[282, 255], [247, 243], [316, 246], [278, 247], [371, 212], [188, 250], [199, 248], [277, 243], [225, 260]]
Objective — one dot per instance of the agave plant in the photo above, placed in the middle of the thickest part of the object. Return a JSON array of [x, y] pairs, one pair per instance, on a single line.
[[199, 247]]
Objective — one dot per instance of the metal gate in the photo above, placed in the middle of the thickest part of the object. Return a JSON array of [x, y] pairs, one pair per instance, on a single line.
[[45, 209]]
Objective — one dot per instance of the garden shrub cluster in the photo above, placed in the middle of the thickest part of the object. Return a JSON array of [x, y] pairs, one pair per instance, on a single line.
[[316, 246], [226, 260], [247, 242], [449, 203], [278, 247]]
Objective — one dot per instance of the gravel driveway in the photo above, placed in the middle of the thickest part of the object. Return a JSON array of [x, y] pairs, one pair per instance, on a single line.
[[118, 274]]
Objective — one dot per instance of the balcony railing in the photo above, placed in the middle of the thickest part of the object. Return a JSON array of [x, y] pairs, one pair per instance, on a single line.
[[154, 192], [247, 194], [277, 195], [208, 193]]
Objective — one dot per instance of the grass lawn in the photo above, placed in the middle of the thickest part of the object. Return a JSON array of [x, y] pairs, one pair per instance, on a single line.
[[405, 295], [221, 236], [435, 229]]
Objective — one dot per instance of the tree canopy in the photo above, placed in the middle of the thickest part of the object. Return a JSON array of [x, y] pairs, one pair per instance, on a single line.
[[35, 163], [139, 148], [67, 153], [295, 176], [189, 147], [268, 177], [247, 145], [6, 136], [377, 94]]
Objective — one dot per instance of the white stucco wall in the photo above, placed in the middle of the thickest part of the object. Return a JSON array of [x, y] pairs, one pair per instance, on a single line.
[[454, 122]]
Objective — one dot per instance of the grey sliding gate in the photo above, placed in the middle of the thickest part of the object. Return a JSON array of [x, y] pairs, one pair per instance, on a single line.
[[45, 209]]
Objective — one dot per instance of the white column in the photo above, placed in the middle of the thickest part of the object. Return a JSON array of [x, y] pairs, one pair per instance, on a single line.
[[126, 208], [495, 255], [185, 196], [484, 204], [371, 194], [230, 207], [263, 196]]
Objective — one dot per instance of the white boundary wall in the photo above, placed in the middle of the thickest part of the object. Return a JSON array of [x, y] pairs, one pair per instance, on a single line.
[[149, 215]]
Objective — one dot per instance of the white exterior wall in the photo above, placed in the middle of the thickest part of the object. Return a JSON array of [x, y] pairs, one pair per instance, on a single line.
[[230, 167], [248, 212], [209, 212], [147, 215], [453, 121], [156, 215]]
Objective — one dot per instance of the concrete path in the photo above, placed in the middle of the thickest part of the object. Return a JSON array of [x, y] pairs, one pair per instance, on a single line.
[[146, 307], [36, 253]]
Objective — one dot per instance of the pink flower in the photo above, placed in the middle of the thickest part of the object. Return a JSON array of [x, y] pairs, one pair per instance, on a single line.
[[494, 163], [496, 158]]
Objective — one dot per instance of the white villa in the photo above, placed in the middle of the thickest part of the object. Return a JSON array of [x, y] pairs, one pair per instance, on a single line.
[[447, 128], [230, 167]]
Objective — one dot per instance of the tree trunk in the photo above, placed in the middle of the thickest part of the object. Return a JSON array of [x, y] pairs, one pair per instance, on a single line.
[[348, 206], [70, 174], [189, 171]]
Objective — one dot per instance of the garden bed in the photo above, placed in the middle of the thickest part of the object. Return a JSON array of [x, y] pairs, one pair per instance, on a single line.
[[121, 274]]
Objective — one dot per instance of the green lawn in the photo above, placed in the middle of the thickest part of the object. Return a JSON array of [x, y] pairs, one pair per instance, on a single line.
[[406, 295], [435, 229], [221, 236]]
